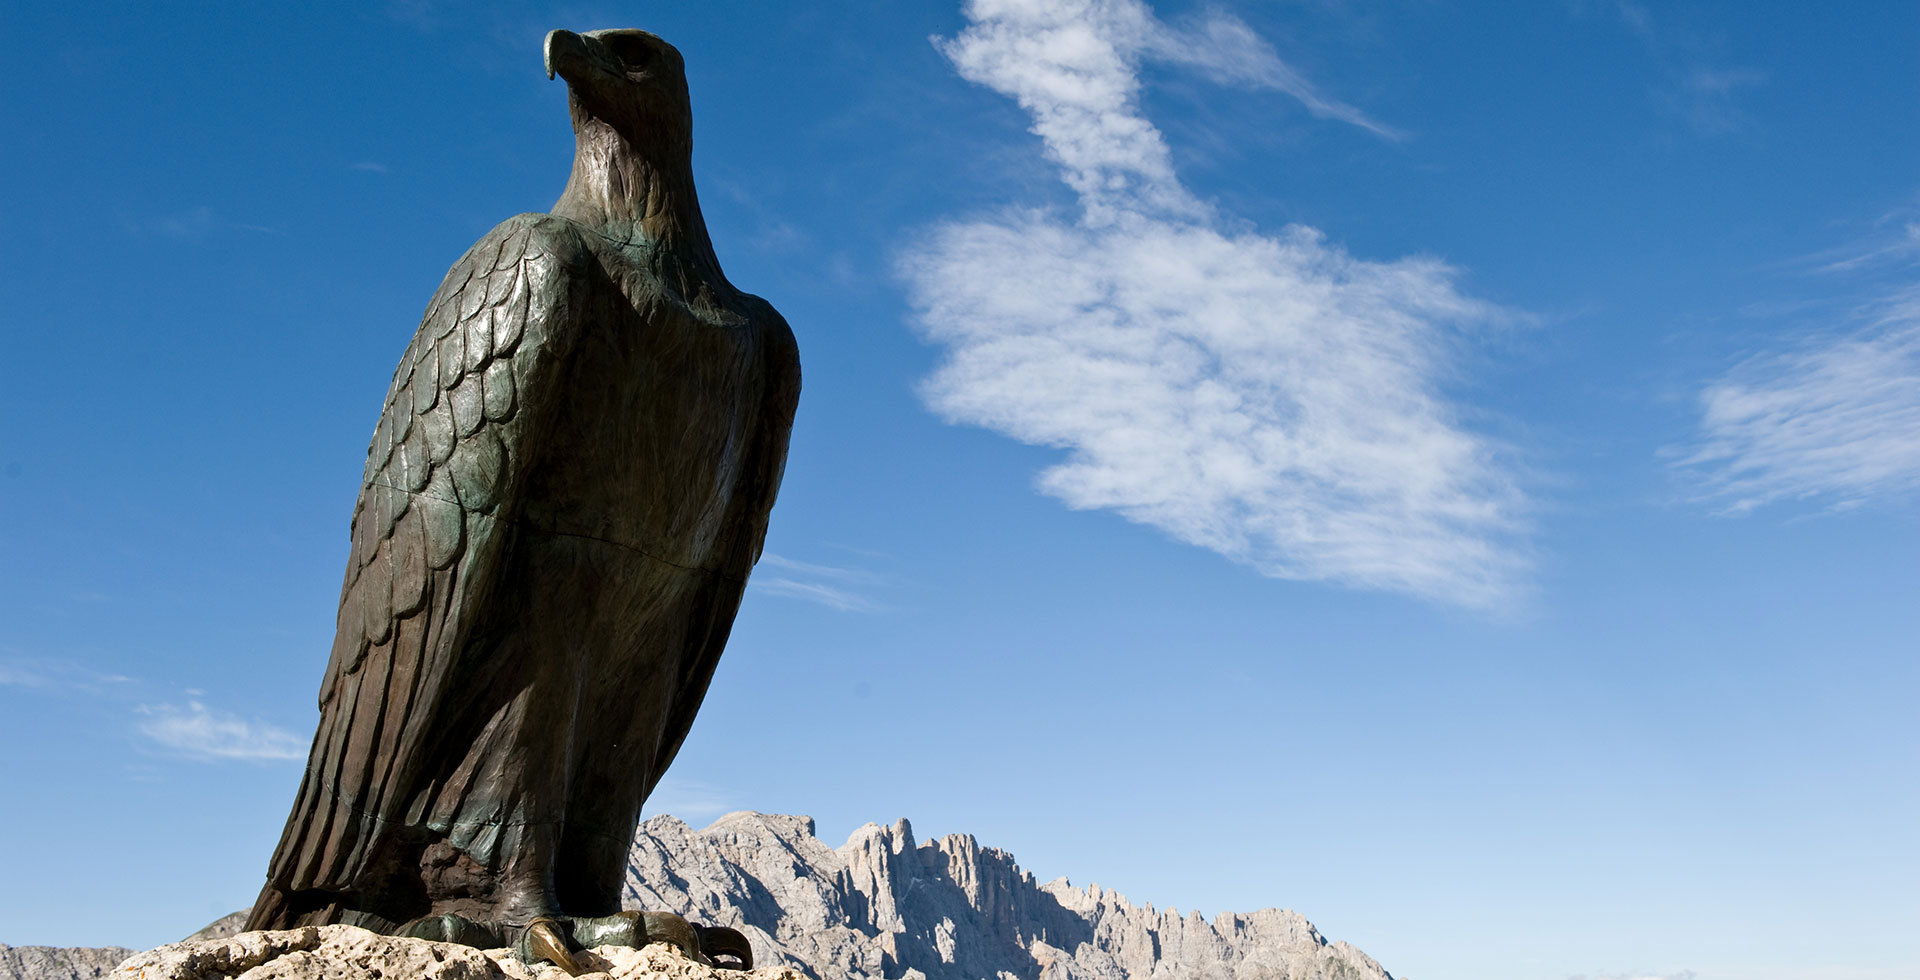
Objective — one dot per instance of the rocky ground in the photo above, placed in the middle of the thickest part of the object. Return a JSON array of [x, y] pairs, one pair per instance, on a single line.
[[352, 953], [882, 905]]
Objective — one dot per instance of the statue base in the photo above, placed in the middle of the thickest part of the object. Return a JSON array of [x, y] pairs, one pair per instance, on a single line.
[[351, 953]]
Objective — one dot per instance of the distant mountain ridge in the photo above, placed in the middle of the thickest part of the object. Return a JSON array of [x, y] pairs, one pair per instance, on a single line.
[[59, 962], [885, 907]]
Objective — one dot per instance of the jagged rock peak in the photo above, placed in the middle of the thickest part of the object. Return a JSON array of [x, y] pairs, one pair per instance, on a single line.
[[883, 905], [59, 962]]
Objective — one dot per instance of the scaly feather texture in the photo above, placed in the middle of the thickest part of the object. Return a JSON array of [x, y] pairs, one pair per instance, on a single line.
[[568, 486]]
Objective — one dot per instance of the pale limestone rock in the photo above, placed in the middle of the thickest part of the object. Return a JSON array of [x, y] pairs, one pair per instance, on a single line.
[[352, 953], [59, 962], [227, 925]]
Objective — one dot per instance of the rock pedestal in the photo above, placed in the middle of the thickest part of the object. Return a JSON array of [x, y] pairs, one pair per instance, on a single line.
[[352, 953]]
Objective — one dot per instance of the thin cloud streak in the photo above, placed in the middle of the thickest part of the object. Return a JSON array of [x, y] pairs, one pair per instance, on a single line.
[[1699, 89], [691, 800], [60, 676], [1834, 419], [192, 730], [827, 585], [203, 733], [1074, 65], [1227, 51], [826, 595], [823, 571], [1269, 397], [1837, 421]]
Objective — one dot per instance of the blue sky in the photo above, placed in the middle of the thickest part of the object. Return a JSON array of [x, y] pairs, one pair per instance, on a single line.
[[1445, 468]]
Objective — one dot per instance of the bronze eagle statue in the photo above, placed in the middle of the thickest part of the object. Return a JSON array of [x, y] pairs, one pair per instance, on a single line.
[[568, 486]]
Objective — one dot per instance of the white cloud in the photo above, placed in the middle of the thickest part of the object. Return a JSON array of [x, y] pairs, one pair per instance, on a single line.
[[1698, 87], [829, 585], [198, 731], [17, 675], [193, 223], [690, 799], [1708, 97], [1266, 396], [59, 676], [1228, 51], [1073, 65], [1836, 421]]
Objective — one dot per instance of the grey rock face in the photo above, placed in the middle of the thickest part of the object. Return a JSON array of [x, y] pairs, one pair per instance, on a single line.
[[880, 906], [883, 905], [227, 925], [88, 962], [58, 963]]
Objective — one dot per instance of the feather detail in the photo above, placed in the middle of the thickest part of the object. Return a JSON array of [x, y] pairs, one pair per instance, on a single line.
[[438, 427], [472, 298], [511, 317], [424, 536], [424, 391], [415, 466], [478, 334], [410, 568], [497, 398], [477, 471], [467, 413], [453, 361], [376, 598], [444, 523]]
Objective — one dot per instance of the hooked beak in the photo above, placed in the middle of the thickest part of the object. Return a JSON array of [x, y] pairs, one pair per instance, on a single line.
[[565, 53]]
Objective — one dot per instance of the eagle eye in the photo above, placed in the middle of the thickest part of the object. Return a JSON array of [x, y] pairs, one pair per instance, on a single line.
[[634, 52]]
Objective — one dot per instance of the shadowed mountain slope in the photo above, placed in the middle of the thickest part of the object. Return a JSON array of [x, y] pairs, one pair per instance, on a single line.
[[883, 905]]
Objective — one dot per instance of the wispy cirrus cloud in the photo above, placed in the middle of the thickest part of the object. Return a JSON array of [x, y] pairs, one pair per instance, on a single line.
[[200, 732], [834, 586], [192, 225], [191, 730], [55, 676], [1708, 97], [691, 800], [1833, 418], [1227, 51], [1269, 397], [1699, 86]]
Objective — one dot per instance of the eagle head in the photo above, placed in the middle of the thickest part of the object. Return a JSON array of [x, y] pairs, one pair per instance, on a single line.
[[630, 80]]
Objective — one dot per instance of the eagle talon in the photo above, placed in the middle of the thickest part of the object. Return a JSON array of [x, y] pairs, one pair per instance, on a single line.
[[557, 939], [725, 948], [452, 928], [542, 940], [666, 927]]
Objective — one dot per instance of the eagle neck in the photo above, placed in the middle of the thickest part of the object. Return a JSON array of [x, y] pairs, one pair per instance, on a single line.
[[641, 195]]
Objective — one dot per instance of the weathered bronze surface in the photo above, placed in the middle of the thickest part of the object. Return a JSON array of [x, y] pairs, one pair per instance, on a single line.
[[565, 493]]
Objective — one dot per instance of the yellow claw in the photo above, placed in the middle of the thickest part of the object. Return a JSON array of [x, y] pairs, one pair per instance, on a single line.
[[545, 942]]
